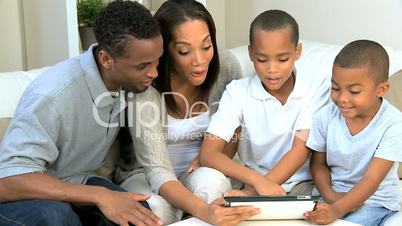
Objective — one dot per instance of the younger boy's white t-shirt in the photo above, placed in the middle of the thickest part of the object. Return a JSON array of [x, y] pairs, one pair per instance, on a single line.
[[349, 156], [267, 125]]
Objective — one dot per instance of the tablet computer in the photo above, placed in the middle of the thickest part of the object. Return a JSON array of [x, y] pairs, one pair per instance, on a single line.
[[276, 207]]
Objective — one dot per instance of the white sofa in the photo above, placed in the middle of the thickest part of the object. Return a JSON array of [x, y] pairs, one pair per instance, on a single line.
[[319, 55]]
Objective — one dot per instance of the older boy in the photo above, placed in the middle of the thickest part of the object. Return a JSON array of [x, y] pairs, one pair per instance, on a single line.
[[274, 108], [57, 140], [357, 141]]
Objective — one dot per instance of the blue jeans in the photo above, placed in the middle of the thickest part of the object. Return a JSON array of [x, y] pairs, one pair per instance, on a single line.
[[55, 213], [369, 215]]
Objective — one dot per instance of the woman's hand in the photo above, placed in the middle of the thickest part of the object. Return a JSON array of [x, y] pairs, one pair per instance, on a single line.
[[229, 216], [194, 164]]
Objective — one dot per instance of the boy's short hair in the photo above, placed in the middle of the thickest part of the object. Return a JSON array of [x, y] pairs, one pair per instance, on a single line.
[[272, 20], [121, 21], [362, 53]]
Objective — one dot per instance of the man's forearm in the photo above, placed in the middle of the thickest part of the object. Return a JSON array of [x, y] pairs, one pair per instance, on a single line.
[[41, 186]]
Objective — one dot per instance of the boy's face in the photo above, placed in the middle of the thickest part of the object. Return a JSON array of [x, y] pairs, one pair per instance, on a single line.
[[273, 54], [355, 92]]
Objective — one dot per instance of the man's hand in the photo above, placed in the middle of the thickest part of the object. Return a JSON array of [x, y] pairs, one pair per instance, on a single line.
[[123, 208], [323, 214], [229, 216]]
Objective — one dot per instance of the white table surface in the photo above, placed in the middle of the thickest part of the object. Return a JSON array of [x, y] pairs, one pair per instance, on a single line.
[[197, 222]]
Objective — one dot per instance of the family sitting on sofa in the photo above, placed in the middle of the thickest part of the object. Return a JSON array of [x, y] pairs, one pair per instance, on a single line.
[[189, 136]]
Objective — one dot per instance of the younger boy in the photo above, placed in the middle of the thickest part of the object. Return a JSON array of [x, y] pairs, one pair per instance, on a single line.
[[273, 107], [356, 141]]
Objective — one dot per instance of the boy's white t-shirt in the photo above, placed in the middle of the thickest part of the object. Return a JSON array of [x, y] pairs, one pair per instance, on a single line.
[[269, 127], [349, 156]]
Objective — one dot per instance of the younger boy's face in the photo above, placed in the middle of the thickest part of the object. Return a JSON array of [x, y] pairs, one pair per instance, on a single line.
[[355, 92], [273, 54]]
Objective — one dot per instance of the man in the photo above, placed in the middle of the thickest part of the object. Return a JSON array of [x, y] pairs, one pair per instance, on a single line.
[[65, 123]]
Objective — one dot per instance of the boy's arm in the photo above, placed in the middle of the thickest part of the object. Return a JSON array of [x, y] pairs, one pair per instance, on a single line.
[[325, 214], [212, 156], [375, 174], [230, 148], [321, 175], [292, 160]]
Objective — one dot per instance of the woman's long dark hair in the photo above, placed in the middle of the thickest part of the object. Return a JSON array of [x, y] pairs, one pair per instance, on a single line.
[[171, 14]]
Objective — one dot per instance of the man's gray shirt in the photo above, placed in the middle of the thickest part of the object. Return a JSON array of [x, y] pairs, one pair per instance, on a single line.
[[60, 125]]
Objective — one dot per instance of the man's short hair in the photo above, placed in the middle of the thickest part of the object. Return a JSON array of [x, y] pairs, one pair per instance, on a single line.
[[121, 21], [363, 53], [272, 20]]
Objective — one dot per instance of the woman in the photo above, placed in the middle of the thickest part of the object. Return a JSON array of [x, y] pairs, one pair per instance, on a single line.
[[187, 83]]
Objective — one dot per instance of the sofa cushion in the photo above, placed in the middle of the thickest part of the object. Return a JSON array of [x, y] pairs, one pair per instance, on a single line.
[[12, 86], [4, 122], [394, 96]]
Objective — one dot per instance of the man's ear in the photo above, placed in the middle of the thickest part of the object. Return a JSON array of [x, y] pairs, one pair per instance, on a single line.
[[105, 59], [299, 48], [250, 52], [382, 88]]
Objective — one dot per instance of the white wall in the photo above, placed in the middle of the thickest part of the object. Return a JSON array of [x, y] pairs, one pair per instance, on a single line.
[[338, 22], [52, 36], [51, 31], [217, 10], [155, 4], [12, 44], [238, 16], [37, 33]]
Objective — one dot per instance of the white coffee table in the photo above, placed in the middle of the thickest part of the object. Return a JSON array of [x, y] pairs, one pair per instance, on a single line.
[[197, 222]]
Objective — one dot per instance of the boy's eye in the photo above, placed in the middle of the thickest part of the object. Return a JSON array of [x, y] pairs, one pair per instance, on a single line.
[[284, 60], [261, 60], [354, 92], [334, 88]]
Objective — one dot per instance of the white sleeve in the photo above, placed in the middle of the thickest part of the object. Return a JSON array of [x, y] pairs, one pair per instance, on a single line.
[[229, 114], [319, 97], [390, 145], [318, 132]]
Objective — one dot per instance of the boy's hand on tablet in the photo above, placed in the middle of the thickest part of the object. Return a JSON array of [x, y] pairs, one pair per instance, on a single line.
[[333, 196], [266, 187], [244, 192], [323, 214], [230, 216]]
